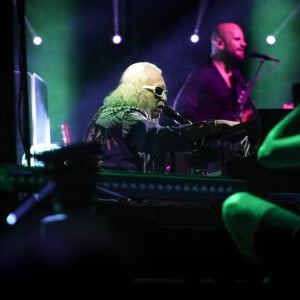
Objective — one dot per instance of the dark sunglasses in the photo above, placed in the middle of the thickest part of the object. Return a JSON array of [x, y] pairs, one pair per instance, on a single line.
[[157, 90]]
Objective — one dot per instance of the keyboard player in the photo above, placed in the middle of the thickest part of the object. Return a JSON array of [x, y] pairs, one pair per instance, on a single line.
[[126, 127]]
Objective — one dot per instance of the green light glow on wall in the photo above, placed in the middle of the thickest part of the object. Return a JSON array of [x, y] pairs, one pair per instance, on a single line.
[[268, 16], [52, 60]]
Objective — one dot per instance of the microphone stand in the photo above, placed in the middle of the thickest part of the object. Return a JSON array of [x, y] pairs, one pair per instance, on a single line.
[[255, 77], [242, 100]]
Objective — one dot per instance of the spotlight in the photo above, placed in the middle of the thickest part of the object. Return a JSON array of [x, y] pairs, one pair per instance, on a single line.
[[271, 39], [194, 38], [116, 39], [36, 39], [11, 219], [202, 6]]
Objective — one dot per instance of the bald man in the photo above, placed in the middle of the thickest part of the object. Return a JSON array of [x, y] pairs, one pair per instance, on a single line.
[[217, 89]]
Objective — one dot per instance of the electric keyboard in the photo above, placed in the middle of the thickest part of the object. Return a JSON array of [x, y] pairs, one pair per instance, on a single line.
[[132, 185], [232, 132]]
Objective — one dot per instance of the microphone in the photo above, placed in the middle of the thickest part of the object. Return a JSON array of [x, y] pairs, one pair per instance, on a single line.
[[173, 114], [263, 56]]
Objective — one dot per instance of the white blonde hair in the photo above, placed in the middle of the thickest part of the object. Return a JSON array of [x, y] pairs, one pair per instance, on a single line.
[[138, 72], [129, 91]]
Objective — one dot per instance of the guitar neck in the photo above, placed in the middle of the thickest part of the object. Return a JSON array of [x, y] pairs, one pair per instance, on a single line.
[[65, 134]]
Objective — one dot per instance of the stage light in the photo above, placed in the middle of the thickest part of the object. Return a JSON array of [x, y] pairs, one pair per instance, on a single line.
[[11, 219], [29, 203], [116, 39], [195, 37], [36, 39], [271, 39]]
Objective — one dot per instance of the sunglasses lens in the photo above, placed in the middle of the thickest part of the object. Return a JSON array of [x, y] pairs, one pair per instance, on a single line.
[[159, 91]]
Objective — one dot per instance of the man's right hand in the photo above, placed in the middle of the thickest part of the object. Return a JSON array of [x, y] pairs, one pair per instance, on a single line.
[[227, 122]]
